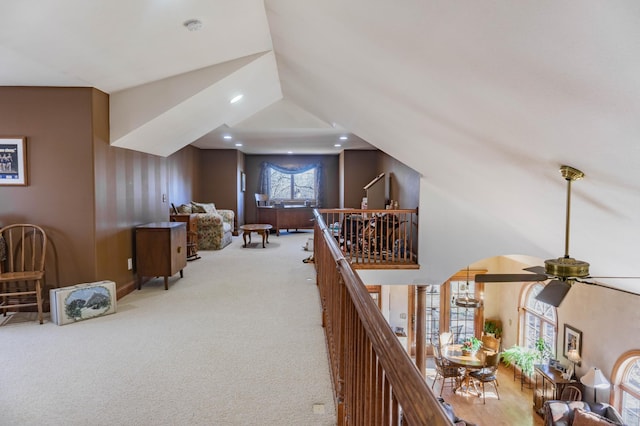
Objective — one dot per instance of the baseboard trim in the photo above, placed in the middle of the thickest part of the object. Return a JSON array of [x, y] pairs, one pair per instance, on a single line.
[[126, 289]]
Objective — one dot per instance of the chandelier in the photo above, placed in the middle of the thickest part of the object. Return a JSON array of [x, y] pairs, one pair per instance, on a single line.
[[467, 301]]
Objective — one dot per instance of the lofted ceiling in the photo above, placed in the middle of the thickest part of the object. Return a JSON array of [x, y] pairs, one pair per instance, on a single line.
[[484, 99]]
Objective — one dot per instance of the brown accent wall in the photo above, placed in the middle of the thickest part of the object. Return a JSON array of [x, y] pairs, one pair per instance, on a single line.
[[218, 181], [404, 182], [184, 175], [87, 195], [59, 197], [358, 169]]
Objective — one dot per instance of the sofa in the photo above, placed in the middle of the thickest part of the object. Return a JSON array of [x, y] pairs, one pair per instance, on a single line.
[[564, 413], [215, 226]]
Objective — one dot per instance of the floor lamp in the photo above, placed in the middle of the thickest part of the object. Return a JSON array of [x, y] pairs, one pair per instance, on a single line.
[[596, 380]]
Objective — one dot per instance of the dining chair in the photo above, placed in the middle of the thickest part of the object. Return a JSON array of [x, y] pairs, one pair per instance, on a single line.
[[456, 331], [491, 343], [445, 370], [446, 338], [487, 374], [571, 393], [22, 255]]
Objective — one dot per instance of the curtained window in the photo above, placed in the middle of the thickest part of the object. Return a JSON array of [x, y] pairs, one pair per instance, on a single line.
[[300, 183]]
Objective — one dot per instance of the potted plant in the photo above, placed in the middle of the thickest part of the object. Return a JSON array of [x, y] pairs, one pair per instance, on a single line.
[[471, 345], [526, 358], [492, 328], [520, 356], [544, 351]]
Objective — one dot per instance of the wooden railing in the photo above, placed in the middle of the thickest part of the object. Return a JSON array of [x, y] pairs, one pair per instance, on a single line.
[[380, 239], [375, 381]]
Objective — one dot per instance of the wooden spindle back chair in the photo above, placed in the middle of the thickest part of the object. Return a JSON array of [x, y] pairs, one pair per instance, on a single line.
[[22, 256]]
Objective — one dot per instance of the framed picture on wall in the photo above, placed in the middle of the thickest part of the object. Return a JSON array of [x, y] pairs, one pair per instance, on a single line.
[[13, 161], [572, 340]]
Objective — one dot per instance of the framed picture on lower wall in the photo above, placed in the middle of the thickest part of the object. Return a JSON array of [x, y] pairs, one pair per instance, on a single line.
[[13, 161], [572, 340]]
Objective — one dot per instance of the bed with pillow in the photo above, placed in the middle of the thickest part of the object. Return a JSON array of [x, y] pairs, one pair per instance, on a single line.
[[215, 226]]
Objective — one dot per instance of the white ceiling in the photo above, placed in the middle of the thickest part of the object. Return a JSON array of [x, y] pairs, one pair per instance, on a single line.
[[485, 99]]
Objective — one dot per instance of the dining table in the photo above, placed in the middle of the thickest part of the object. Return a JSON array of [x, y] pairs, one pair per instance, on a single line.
[[473, 361], [453, 354]]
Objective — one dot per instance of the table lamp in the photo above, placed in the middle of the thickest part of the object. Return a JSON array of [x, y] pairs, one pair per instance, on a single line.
[[574, 357], [596, 380]]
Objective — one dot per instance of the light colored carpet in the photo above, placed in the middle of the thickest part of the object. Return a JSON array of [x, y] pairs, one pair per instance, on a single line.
[[237, 341]]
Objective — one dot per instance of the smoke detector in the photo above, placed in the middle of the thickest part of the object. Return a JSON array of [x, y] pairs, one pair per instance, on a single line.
[[192, 24]]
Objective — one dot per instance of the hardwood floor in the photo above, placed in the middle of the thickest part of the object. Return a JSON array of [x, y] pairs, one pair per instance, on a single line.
[[514, 408]]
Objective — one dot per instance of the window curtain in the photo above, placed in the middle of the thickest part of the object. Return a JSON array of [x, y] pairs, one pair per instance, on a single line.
[[264, 181]]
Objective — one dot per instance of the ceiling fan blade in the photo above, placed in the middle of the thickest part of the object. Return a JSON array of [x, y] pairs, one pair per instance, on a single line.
[[615, 278], [554, 292], [508, 278], [536, 269]]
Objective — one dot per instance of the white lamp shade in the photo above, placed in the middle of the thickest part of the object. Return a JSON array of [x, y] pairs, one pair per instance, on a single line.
[[574, 356], [595, 379]]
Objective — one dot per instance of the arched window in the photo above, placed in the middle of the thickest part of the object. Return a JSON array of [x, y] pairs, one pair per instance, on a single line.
[[626, 379], [538, 319]]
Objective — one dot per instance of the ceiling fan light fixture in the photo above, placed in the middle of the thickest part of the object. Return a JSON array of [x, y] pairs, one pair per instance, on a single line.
[[566, 267], [569, 173]]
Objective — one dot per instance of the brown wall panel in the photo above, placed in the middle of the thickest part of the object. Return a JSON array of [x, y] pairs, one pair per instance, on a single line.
[[132, 196], [86, 194], [218, 181], [183, 175], [58, 126], [359, 168], [404, 182]]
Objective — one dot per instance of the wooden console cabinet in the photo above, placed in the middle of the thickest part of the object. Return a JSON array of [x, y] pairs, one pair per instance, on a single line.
[[549, 385], [288, 217], [161, 250], [191, 219]]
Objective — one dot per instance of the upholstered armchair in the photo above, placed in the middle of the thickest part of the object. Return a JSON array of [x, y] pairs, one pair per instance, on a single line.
[[215, 226]]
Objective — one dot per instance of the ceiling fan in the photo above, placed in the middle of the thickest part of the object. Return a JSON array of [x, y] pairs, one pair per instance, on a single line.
[[563, 271]]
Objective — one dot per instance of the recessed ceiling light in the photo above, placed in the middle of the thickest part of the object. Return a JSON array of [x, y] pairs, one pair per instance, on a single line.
[[343, 138], [337, 145], [289, 152], [236, 99], [192, 24], [238, 144], [227, 137]]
